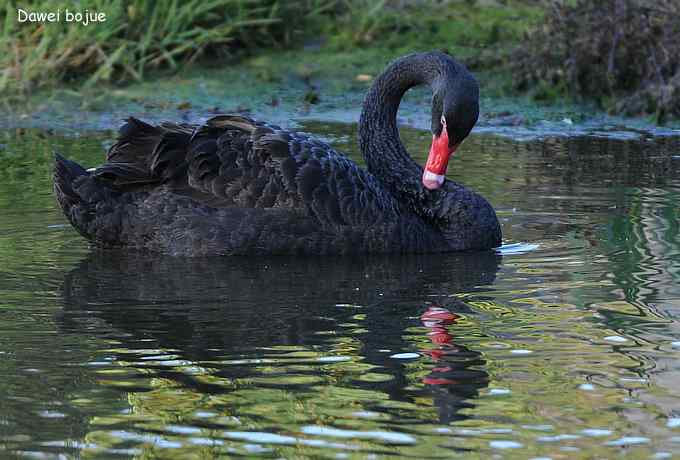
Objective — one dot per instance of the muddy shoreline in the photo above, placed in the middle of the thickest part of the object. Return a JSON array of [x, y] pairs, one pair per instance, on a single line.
[[300, 93]]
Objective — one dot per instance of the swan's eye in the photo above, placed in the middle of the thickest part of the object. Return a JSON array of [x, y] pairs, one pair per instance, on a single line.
[[443, 121]]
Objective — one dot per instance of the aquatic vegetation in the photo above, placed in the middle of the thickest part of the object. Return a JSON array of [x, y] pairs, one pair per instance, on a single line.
[[625, 54]]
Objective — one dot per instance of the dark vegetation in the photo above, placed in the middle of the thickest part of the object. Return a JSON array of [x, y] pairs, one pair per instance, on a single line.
[[624, 54]]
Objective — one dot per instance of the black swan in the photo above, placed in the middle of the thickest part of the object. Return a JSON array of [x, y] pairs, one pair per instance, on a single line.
[[238, 186]]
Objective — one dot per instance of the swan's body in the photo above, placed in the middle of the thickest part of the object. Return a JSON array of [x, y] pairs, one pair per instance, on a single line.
[[238, 186]]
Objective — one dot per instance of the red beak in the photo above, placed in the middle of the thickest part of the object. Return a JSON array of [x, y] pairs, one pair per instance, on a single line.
[[438, 160]]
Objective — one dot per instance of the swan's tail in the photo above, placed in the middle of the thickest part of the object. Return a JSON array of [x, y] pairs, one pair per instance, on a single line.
[[79, 195]]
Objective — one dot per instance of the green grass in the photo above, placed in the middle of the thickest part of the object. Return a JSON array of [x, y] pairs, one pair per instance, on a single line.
[[137, 35], [140, 36], [472, 24]]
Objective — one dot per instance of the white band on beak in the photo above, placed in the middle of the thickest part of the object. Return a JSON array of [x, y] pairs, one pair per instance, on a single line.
[[432, 180]]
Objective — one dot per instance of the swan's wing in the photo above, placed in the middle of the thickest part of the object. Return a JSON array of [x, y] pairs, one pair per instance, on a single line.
[[233, 161], [146, 155]]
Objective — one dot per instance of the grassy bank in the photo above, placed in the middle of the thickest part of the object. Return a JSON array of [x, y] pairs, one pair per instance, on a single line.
[[620, 54], [136, 36], [140, 36]]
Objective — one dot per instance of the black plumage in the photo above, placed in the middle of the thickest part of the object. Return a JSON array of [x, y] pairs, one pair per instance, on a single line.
[[238, 186]]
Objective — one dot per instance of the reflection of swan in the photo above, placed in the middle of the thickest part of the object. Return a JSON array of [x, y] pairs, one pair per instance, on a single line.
[[208, 308], [238, 186], [452, 381]]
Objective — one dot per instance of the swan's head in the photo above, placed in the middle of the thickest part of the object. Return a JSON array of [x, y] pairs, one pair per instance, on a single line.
[[455, 109]]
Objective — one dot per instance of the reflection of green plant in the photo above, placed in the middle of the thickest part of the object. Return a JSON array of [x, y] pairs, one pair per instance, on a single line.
[[160, 402], [646, 240], [270, 398], [26, 160]]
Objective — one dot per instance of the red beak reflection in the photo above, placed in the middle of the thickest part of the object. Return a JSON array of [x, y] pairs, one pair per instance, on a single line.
[[436, 319]]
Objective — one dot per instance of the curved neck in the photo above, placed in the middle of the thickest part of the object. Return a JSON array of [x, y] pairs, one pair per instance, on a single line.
[[385, 155]]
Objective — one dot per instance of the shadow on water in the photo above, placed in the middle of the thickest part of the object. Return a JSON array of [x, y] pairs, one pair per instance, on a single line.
[[204, 309]]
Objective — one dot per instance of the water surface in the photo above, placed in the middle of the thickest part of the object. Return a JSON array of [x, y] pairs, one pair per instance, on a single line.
[[564, 344]]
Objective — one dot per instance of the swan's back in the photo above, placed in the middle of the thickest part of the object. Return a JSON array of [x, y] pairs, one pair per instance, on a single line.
[[233, 161], [233, 186]]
